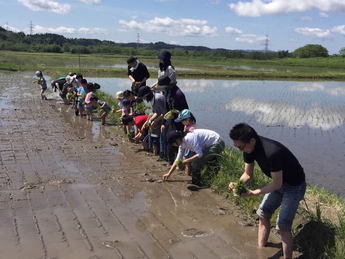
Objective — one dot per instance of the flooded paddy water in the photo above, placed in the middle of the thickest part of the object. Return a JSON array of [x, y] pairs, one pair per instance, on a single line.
[[308, 117]]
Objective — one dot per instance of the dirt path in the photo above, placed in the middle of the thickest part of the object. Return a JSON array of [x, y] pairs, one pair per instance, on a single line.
[[69, 189]]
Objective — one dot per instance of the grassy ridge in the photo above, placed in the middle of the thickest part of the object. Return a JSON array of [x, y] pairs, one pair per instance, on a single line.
[[331, 68], [320, 222]]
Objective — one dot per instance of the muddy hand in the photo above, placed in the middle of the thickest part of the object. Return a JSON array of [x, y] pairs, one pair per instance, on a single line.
[[166, 176], [232, 185]]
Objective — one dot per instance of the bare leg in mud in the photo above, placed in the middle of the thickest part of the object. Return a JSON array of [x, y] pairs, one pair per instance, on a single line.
[[43, 96], [263, 232], [286, 237]]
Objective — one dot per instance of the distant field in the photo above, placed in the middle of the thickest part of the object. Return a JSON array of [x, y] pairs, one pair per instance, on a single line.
[[331, 68]]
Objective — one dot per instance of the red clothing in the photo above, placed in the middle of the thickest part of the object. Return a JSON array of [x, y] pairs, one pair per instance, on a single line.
[[140, 120]]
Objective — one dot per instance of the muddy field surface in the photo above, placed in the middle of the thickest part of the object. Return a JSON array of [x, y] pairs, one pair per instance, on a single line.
[[73, 189]]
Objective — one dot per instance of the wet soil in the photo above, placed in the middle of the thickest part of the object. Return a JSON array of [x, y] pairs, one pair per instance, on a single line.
[[70, 188]]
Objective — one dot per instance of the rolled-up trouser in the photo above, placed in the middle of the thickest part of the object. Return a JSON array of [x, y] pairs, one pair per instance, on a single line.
[[287, 198], [210, 154]]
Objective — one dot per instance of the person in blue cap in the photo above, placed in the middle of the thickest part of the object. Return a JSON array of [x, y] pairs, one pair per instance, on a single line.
[[187, 119], [206, 144]]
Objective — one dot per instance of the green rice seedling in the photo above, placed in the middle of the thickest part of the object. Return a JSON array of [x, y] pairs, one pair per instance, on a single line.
[[240, 188]]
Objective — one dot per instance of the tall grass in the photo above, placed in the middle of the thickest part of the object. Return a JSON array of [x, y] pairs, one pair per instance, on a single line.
[[113, 118]]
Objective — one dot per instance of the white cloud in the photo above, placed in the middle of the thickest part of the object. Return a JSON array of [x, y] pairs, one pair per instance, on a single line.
[[339, 29], [69, 30], [319, 87], [233, 30], [323, 14], [91, 1], [10, 28], [256, 8], [244, 37], [169, 26], [272, 113], [314, 32], [250, 38], [46, 5]]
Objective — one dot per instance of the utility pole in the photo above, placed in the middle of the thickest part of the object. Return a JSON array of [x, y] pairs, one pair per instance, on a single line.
[[266, 43], [138, 39], [31, 28]]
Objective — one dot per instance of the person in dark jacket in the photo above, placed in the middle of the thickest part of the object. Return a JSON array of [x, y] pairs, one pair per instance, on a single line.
[[137, 73]]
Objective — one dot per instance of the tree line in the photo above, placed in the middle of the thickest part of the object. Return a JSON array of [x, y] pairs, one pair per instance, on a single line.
[[48, 42]]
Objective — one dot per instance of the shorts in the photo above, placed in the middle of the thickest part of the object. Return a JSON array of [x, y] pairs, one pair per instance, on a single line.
[[88, 109], [211, 155], [151, 140], [106, 109], [288, 198]]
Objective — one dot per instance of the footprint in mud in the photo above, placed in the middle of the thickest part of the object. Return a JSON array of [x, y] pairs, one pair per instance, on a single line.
[[193, 232]]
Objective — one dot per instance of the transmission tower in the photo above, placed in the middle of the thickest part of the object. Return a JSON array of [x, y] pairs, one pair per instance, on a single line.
[[138, 39], [266, 43], [31, 26]]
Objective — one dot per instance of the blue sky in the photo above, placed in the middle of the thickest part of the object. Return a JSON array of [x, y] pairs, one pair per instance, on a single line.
[[231, 24]]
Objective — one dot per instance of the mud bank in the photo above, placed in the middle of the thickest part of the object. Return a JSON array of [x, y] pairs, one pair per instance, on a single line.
[[72, 189]]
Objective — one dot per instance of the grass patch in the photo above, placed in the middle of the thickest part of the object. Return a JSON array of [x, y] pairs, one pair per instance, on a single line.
[[320, 224], [101, 65], [113, 118]]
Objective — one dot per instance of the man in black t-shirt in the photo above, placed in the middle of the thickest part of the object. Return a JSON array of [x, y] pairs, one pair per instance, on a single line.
[[286, 189], [137, 73]]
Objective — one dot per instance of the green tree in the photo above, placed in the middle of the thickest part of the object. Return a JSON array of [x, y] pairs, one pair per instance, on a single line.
[[342, 52], [311, 51]]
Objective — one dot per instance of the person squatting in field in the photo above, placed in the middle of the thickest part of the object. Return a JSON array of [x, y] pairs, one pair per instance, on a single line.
[[206, 146]]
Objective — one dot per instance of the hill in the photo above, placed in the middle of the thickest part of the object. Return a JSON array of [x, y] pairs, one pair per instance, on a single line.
[[48, 42]]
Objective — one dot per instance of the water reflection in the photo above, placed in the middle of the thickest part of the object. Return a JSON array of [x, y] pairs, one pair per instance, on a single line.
[[318, 87], [202, 85], [309, 117], [272, 113]]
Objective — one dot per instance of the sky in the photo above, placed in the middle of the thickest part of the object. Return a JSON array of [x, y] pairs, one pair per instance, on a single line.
[[230, 24]]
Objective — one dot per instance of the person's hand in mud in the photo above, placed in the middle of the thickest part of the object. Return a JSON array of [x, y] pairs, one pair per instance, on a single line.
[[232, 186], [166, 176]]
